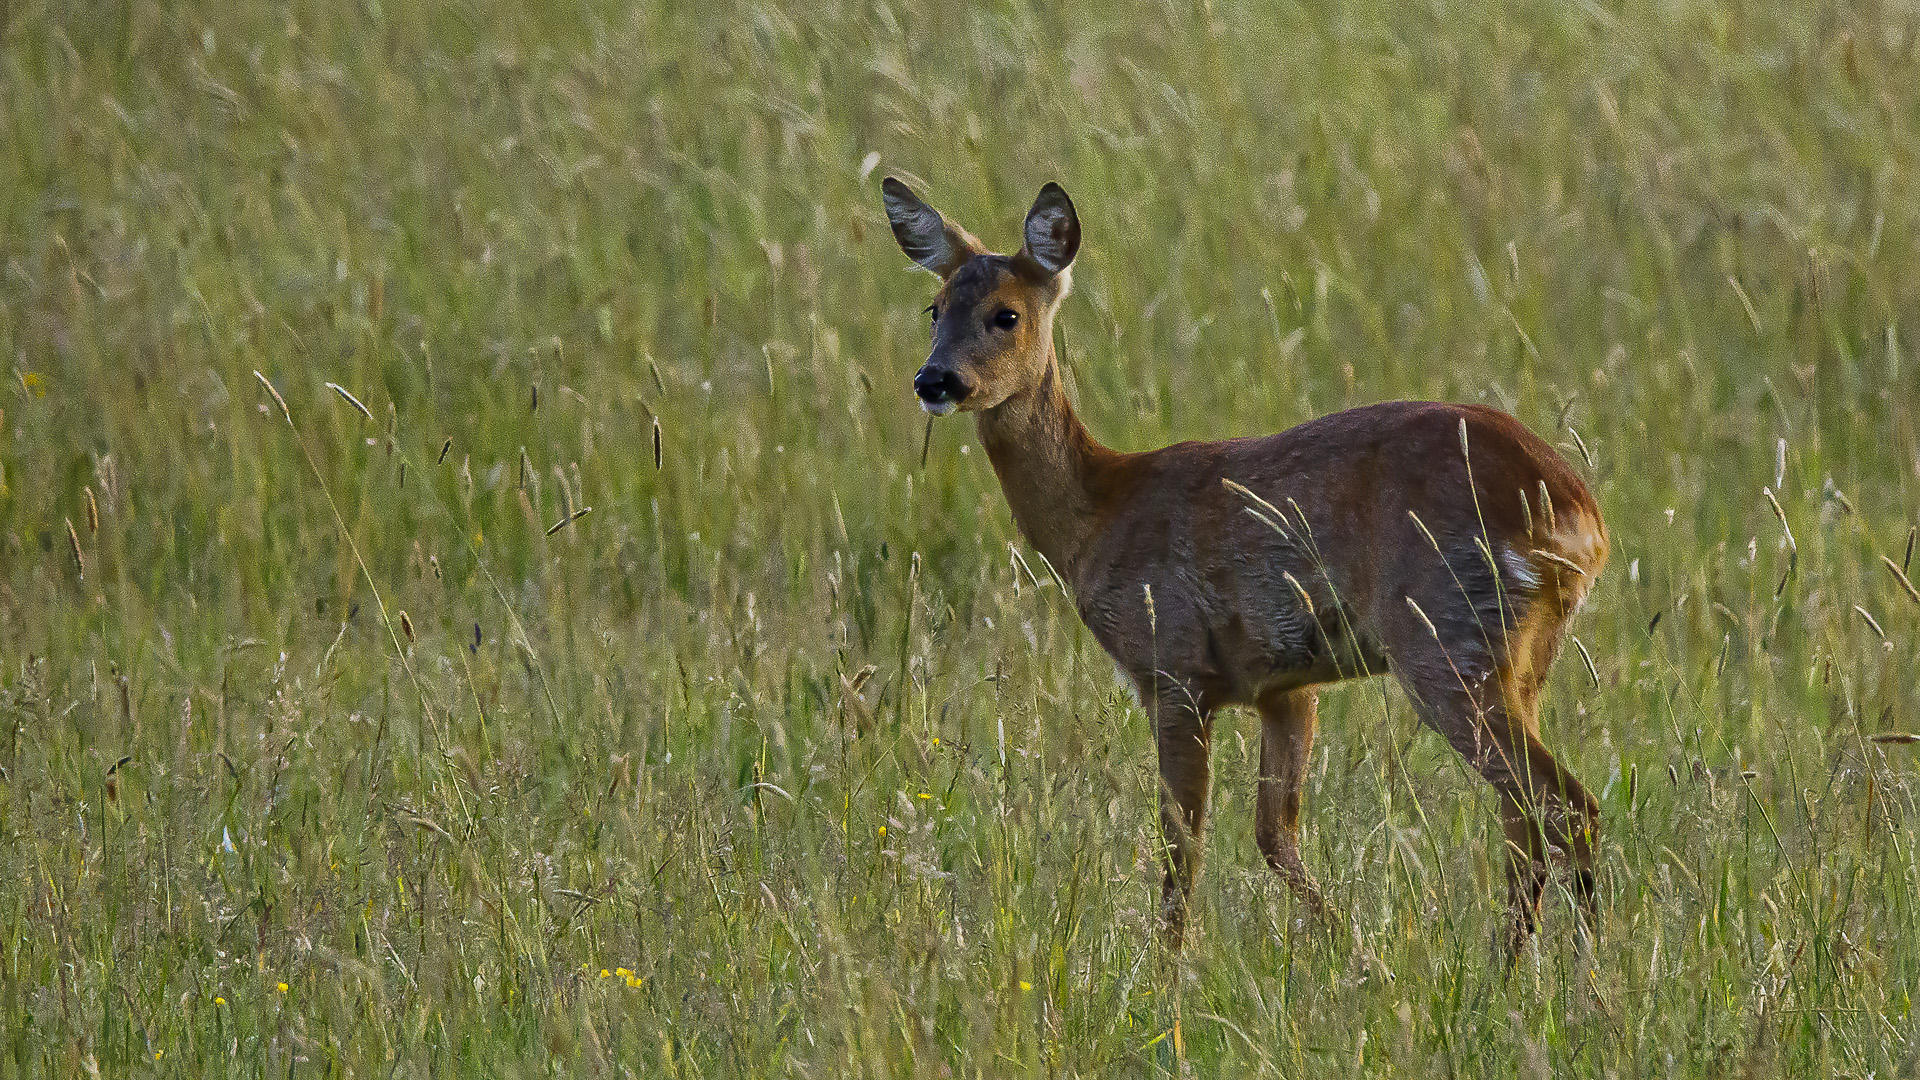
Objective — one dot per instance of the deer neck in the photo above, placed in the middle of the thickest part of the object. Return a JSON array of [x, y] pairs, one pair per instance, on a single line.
[[1049, 467]]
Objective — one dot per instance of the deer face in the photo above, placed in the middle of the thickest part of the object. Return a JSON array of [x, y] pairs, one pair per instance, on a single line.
[[993, 317]]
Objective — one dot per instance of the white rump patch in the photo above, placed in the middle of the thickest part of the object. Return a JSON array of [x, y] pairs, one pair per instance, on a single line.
[[1525, 575]]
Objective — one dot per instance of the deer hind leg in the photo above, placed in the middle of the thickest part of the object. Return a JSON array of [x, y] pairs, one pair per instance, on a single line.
[[1571, 818], [1287, 726], [1480, 690], [1552, 811], [1183, 730]]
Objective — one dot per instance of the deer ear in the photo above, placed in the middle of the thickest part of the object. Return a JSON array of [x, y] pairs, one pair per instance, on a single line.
[[1053, 231], [939, 246]]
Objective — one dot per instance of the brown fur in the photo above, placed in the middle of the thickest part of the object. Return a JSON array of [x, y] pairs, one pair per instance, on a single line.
[[1376, 515]]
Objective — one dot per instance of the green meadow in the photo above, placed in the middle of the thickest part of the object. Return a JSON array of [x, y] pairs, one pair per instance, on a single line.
[[617, 676]]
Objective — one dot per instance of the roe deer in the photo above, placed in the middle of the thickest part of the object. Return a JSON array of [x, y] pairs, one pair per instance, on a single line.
[[1444, 543]]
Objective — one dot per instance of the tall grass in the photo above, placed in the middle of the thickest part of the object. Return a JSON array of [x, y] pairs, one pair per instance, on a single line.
[[781, 761]]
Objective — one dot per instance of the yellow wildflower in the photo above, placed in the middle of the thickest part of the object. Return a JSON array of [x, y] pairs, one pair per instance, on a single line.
[[283, 987]]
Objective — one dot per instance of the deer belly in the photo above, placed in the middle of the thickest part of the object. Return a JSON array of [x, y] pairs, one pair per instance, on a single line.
[[1300, 650]]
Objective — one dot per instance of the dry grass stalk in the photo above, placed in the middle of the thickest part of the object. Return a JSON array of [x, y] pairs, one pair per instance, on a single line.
[[1752, 315], [1900, 576], [1273, 521], [277, 399], [1560, 561], [1299, 588], [1871, 621], [93, 512], [73, 545], [1424, 621], [1585, 454], [1058, 581], [1022, 564], [854, 707], [1592, 672], [428, 824], [1424, 531], [1792, 546], [569, 519], [109, 475], [348, 397], [340, 522], [1895, 738]]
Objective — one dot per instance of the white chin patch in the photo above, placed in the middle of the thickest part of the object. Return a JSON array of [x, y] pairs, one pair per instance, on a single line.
[[937, 408]]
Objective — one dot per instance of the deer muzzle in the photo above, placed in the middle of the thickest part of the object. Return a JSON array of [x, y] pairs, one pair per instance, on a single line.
[[940, 389]]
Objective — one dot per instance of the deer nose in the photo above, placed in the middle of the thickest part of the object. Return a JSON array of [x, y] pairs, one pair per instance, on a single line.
[[939, 387]]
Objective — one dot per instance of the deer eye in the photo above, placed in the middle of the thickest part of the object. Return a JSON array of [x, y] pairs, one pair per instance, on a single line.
[[1006, 319]]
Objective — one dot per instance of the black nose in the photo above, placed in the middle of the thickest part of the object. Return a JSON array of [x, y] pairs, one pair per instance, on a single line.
[[940, 384]]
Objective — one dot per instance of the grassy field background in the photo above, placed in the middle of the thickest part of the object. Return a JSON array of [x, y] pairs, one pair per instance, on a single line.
[[619, 800]]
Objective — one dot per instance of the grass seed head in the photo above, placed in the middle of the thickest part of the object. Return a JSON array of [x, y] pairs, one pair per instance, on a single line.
[[73, 546], [1872, 623], [1792, 546], [277, 399], [1585, 454], [569, 519], [1305, 598], [1900, 576], [1424, 621], [348, 397]]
